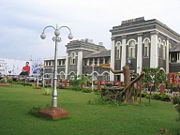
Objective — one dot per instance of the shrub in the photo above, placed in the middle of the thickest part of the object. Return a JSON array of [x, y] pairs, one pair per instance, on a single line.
[[112, 95], [3, 80], [86, 90], [47, 91], [164, 97], [156, 96], [143, 94], [176, 100]]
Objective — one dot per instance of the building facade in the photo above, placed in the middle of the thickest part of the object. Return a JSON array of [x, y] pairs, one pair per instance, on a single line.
[[143, 43], [82, 57], [137, 42]]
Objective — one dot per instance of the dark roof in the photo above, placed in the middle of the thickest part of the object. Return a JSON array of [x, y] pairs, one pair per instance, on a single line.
[[105, 53], [176, 48], [147, 24]]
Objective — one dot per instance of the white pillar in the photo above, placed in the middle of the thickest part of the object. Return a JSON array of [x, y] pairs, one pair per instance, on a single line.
[[112, 60], [167, 56], [87, 62], [98, 60], [79, 63], [123, 58], [66, 66], [154, 50], [139, 54], [178, 57]]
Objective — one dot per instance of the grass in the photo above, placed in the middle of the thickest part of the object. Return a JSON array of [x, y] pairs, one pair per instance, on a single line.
[[85, 118]]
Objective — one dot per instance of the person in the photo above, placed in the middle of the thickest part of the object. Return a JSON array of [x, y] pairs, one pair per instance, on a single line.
[[25, 70]]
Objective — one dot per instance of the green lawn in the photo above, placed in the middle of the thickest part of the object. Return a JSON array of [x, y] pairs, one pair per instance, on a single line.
[[85, 118]]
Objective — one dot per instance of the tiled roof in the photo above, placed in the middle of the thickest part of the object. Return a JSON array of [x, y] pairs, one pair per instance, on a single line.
[[105, 53]]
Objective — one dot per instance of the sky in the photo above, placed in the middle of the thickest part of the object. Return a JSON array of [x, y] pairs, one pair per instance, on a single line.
[[22, 21]]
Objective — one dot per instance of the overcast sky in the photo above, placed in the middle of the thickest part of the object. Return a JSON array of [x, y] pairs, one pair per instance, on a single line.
[[22, 21]]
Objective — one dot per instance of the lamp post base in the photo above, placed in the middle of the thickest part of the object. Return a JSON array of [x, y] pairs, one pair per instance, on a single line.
[[53, 113]]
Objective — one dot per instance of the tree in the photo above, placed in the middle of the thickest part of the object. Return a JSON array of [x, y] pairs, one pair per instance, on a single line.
[[153, 77], [79, 81]]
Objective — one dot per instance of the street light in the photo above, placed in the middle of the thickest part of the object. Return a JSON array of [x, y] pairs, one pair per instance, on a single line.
[[92, 84], [56, 39]]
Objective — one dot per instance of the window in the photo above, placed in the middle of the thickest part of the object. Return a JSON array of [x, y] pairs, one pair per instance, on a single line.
[[90, 61], [85, 61], [107, 60], [131, 49], [95, 61], [118, 48], [59, 62], [62, 76], [146, 48], [63, 62], [106, 77], [101, 61], [72, 58], [159, 48]]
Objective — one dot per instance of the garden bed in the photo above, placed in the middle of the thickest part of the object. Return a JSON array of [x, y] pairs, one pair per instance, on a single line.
[[4, 84]]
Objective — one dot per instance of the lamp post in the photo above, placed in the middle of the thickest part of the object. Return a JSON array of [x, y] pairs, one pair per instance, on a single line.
[[92, 85], [56, 39]]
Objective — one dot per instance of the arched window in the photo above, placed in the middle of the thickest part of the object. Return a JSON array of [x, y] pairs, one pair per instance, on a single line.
[[106, 77], [159, 48], [118, 48], [146, 47], [72, 75], [72, 58], [131, 49], [62, 75], [94, 76]]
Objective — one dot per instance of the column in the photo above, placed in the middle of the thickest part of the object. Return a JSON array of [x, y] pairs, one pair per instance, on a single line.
[[139, 54], [66, 66], [123, 58], [79, 63], [87, 62], [167, 56], [154, 50], [93, 61], [178, 57], [61, 62], [112, 59], [98, 60]]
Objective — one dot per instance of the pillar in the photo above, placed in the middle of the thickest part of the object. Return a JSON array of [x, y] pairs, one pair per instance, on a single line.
[[66, 66], [87, 62], [123, 58], [154, 50], [139, 54], [79, 63], [98, 60], [167, 56], [112, 59]]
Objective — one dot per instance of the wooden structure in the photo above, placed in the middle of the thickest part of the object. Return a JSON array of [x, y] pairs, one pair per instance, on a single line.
[[128, 84]]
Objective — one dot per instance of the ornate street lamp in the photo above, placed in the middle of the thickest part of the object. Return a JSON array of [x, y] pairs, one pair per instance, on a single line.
[[56, 39]]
